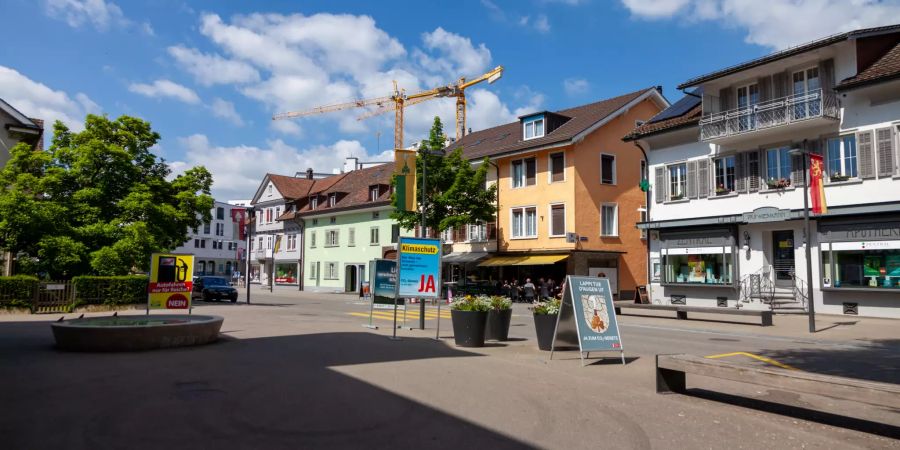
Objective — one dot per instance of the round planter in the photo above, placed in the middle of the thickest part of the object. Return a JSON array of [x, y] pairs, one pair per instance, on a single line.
[[468, 327], [544, 327], [498, 325]]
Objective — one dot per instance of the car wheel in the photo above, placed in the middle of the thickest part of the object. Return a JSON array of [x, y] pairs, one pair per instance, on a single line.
[[206, 297], [233, 299]]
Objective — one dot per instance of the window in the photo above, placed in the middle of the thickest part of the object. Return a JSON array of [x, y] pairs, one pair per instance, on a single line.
[[331, 271], [857, 265], [841, 157], [643, 218], [202, 243], [805, 85], [312, 270], [558, 220], [724, 175], [206, 228], [534, 128], [315, 221], [677, 181], [268, 215], [313, 202], [196, 243], [557, 167], [351, 237], [608, 169], [524, 222], [523, 172], [260, 245], [270, 240], [747, 97], [373, 193], [332, 220], [277, 214], [331, 238], [376, 215], [312, 239], [373, 236], [220, 229], [395, 233], [292, 242], [269, 189], [704, 265], [220, 213], [609, 219], [778, 165], [477, 232], [332, 199]]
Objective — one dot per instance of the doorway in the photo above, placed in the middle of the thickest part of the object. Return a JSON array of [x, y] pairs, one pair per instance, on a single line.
[[350, 278], [783, 257]]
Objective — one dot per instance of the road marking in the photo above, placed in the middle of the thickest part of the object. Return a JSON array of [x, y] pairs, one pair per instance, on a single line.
[[754, 356], [390, 316]]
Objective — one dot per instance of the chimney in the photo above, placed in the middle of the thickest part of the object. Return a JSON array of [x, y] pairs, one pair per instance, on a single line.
[[351, 164], [309, 173]]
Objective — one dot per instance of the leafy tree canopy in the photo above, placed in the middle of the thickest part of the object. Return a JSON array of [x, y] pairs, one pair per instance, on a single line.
[[455, 192], [97, 201]]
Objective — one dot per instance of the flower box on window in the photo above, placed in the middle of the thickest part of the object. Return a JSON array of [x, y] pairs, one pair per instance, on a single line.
[[779, 183], [722, 190], [836, 177], [676, 197]]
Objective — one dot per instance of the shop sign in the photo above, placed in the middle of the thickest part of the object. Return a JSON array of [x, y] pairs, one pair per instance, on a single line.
[[587, 309], [418, 268], [716, 238], [766, 214], [861, 232], [170, 281]]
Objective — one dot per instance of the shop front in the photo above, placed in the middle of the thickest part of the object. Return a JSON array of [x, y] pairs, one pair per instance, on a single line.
[[286, 272], [860, 266], [697, 264]]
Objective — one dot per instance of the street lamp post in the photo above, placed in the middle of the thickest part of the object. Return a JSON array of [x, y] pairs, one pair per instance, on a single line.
[[247, 231], [808, 237]]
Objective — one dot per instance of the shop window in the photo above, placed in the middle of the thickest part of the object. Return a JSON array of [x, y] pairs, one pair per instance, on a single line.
[[858, 265], [703, 265], [284, 273]]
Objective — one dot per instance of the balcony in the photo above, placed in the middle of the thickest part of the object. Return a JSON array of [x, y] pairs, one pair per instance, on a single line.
[[813, 108], [263, 254]]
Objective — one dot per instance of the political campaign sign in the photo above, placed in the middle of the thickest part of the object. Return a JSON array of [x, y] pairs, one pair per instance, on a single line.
[[170, 281], [384, 284], [419, 268], [587, 307]]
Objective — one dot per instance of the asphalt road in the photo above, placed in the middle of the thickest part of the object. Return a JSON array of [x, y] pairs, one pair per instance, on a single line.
[[299, 371]]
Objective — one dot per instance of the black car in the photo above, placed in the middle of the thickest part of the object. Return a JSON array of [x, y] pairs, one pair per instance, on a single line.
[[213, 288]]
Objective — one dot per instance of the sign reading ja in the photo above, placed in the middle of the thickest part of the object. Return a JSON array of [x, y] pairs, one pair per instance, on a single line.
[[170, 281], [419, 268]]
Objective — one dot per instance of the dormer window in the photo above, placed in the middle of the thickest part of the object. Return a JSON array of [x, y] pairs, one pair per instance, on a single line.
[[313, 202], [374, 193], [332, 199], [534, 127]]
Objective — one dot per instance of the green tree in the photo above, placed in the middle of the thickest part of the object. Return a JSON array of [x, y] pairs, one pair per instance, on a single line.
[[455, 192], [97, 201]]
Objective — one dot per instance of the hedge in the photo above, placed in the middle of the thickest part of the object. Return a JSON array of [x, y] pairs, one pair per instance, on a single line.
[[17, 291], [122, 290]]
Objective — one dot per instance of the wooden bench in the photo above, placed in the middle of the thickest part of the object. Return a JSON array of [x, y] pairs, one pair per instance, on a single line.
[[681, 311], [671, 371]]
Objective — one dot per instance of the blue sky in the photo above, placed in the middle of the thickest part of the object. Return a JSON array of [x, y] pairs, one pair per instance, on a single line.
[[208, 74]]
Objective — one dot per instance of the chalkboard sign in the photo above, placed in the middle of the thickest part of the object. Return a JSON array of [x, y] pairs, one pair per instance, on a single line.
[[587, 317], [640, 294]]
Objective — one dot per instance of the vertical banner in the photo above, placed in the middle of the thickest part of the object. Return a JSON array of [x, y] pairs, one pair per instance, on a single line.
[[816, 187], [419, 268], [405, 179], [170, 281], [384, 284], [588, 315]]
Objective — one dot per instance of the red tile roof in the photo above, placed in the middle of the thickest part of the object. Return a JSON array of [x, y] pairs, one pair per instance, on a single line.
[[885, 68], [508, 138], [352, 190], [291, 187]]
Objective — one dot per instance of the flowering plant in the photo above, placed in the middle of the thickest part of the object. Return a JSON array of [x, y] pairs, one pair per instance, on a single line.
[[500, 303], [471, 303], [780, 183], [549, 307]]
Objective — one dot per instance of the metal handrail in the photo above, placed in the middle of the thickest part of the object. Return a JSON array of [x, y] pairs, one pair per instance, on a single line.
[[771, 113], [759, 285]]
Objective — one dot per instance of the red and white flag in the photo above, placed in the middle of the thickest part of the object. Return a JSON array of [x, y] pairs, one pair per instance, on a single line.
[[816, 188]]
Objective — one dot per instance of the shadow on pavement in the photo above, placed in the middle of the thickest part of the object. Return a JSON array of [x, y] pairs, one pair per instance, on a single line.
[[270, 392], [878, 360]]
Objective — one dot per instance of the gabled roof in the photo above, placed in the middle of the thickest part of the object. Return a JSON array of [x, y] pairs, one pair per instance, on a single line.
[[352, 189], [291, 187], [885, 68], [683, 113], [508, 138], [23, 120], [792, 51]]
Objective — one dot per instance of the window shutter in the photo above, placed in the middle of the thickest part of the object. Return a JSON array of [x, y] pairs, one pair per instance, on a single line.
[[826, 75], [692, 179], [740, 172], [724, 99], [765, 88], [885, 144], [866, 158], [753, 170], [703, 178], [660, 185], [779, 84], [797, 177]]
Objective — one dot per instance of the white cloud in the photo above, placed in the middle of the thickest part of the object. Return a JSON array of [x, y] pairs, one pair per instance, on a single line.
[[225, 110], [100, 14], [212, 69], [238, 170], [287, 127], [147, 29], [39, 101], [541, 23], [576, 86], [775, 24], [459, 55], [165, 88]]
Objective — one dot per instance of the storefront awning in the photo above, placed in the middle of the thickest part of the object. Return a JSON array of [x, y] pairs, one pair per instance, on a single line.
[[529, 260], [463, 257]]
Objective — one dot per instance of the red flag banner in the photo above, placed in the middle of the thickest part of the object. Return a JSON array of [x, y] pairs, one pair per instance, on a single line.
[[816, 188]]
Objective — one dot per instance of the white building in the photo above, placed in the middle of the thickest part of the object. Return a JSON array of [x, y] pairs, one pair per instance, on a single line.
[[726, 206], [218, 246]]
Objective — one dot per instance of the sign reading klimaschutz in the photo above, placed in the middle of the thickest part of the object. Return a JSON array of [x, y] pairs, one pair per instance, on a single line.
[[595, 314], [419, 268]]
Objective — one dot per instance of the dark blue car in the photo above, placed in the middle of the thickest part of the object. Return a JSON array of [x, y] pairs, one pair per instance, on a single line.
[[213, 288]]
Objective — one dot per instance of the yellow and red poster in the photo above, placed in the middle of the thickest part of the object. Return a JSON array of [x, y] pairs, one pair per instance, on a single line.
[[816, 189], [170, 281], [405, 179]]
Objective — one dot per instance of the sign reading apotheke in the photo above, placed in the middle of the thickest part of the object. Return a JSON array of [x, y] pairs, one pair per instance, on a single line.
[[384, 284], [170, 281], [419, 268]]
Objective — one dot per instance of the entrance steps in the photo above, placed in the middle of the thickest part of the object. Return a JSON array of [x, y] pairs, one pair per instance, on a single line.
[[784, 302]]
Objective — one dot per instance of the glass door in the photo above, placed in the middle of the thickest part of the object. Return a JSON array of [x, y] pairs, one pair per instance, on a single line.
[[807, 93], [747, 98], [783, 256]]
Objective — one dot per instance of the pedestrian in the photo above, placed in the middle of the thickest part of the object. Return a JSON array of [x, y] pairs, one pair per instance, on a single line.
[[551, 286], [544, 289], [529, 290]]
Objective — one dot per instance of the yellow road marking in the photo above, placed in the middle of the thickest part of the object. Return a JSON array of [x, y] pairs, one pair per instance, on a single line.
[[756, 357], [390, 316]]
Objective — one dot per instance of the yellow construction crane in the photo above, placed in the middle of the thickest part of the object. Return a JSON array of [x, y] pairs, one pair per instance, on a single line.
[[399, 100]]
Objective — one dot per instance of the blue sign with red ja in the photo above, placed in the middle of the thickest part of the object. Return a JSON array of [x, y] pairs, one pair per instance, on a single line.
[[419, 268]]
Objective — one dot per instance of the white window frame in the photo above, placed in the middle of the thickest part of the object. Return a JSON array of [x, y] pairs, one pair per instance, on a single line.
[[614, 169], [312, 239], [532, 124], [843, 157], [351, 237], [332, 238], [550, 221], [332, 200], [683, 181], [715, 175], [374, 193], [312, 270], [524, 179], [550, 167], [375, 232], [331, 271], [313, 202], [523, 226], [615, 231]]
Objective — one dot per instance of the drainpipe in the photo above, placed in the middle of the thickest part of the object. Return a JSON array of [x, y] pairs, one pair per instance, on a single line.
[[647, 201], [302, 255]]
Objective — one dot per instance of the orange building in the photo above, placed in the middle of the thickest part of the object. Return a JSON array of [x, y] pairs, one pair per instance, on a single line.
[[568, 192]]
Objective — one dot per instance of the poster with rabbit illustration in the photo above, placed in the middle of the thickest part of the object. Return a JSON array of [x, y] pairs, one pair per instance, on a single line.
[[588, 305]]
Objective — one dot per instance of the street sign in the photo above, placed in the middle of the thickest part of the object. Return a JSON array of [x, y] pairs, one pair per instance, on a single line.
[[170, 281], [587, 309], [419, 268]]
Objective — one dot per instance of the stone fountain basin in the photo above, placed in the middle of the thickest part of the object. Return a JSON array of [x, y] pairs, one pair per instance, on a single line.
[[133, 333]]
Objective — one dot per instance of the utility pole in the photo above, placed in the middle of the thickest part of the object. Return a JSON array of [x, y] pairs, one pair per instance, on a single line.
[[810, 300], [424, 168], [248, 231]]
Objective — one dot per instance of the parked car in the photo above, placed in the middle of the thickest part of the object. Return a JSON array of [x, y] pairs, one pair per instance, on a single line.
[[213, 288]]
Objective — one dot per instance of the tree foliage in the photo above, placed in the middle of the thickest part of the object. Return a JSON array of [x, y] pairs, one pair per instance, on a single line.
[[97, 201], [455, 191]]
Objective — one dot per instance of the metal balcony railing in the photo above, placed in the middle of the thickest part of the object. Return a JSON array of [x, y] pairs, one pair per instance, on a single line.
[[773, 113]]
